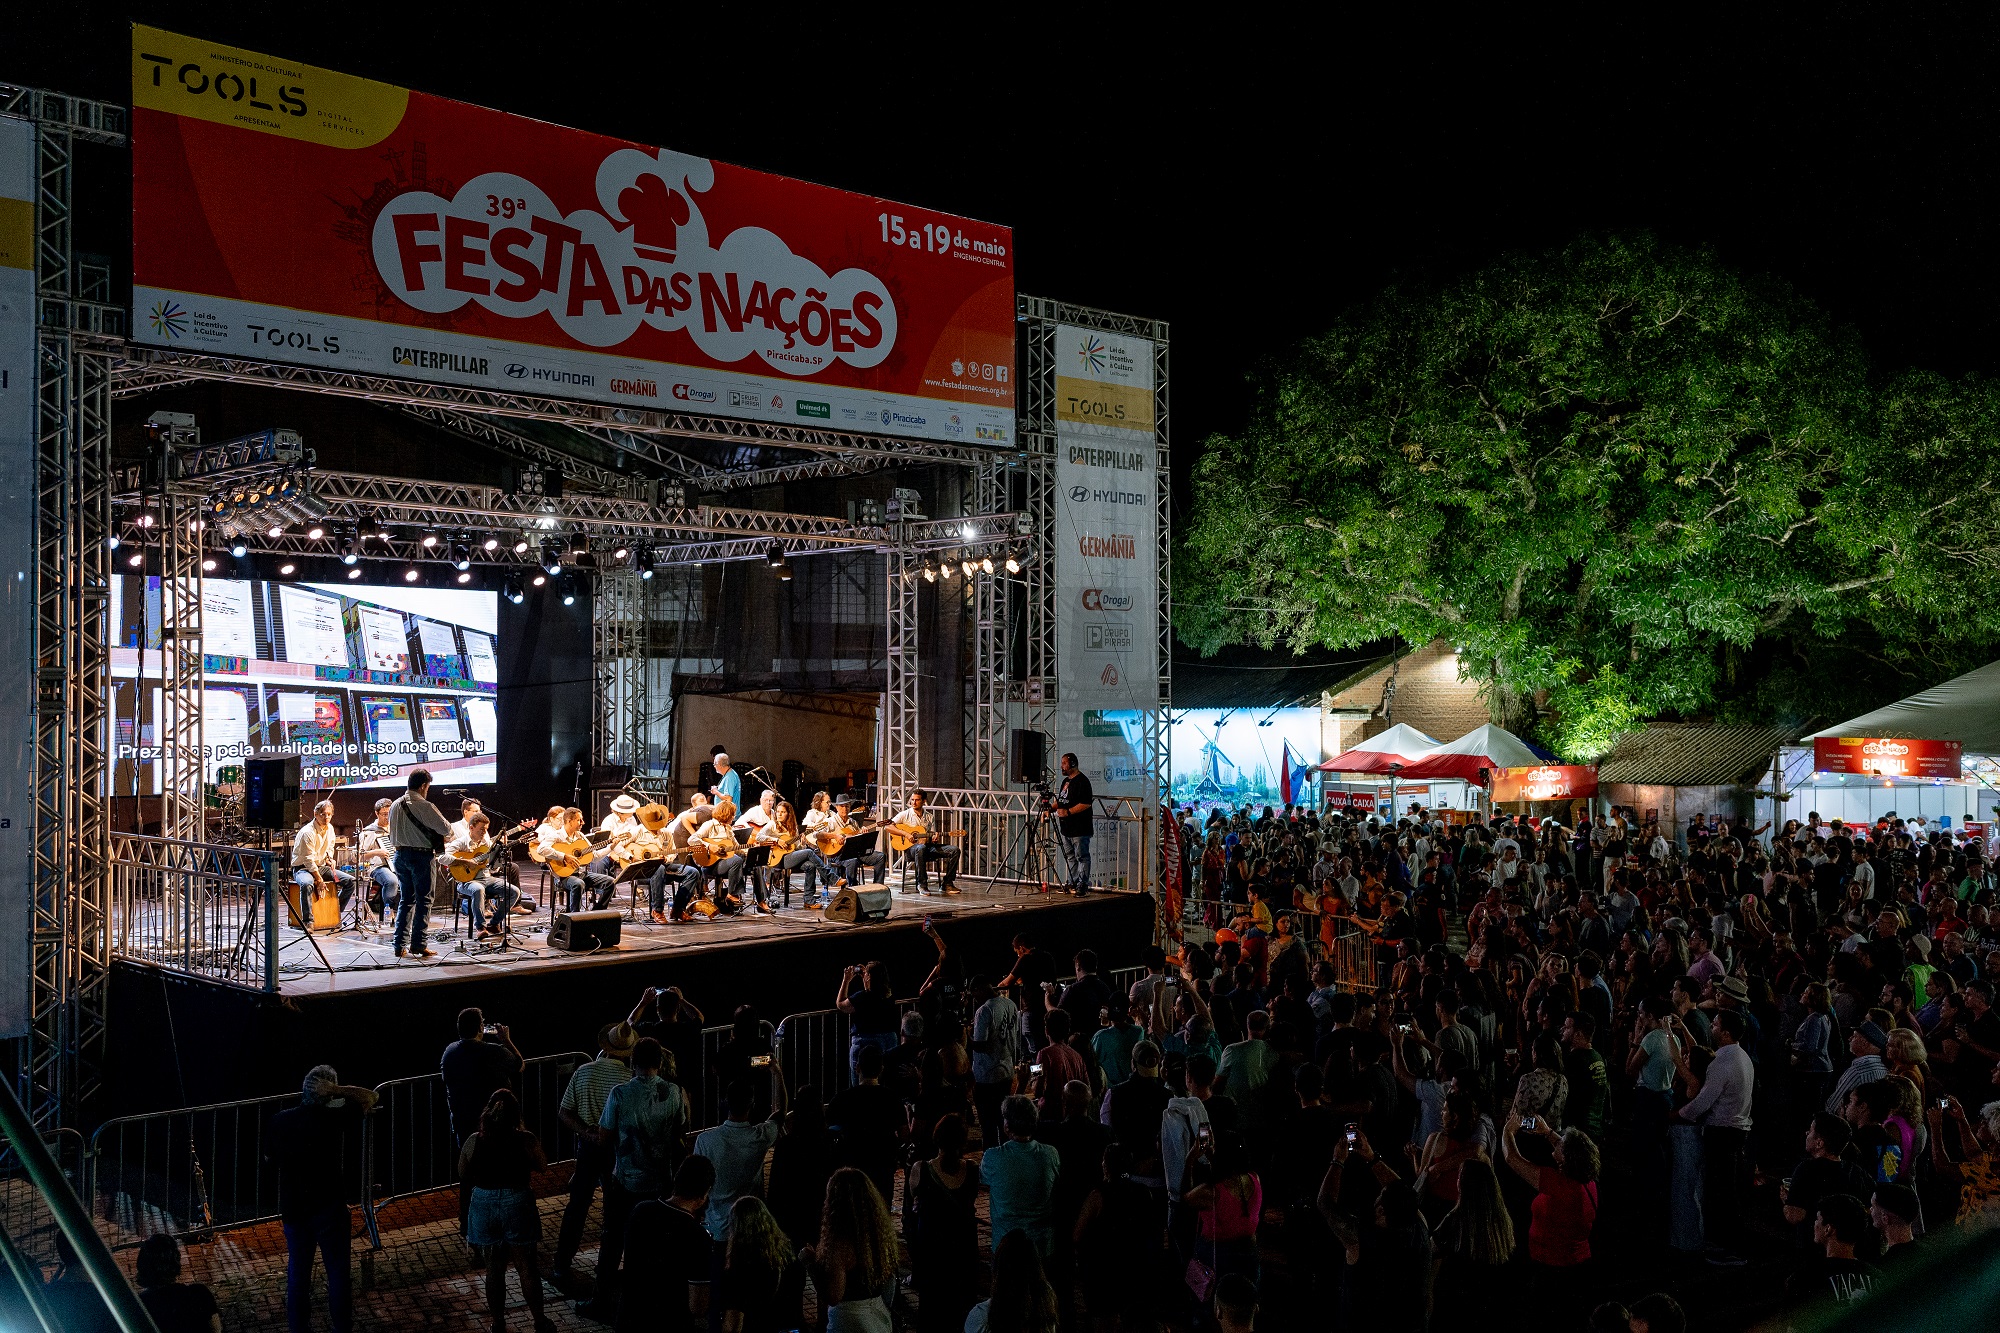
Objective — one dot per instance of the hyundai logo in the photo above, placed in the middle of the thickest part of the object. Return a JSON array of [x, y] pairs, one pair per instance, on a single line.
[[516, 371], [1079, 493]]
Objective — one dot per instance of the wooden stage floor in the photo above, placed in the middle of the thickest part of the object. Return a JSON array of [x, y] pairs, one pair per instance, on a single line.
[[365, 960]]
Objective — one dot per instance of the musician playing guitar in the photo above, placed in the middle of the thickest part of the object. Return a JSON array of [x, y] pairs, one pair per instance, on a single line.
[[488, 895], [313, 868], [859, 846], [928, 847], [820, 820], [564, 826], [762, 822], [718, 833], [686, 874], [377, 853]]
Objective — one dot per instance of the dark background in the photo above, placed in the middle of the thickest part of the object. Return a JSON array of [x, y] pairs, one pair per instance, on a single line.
[[1244, 181]]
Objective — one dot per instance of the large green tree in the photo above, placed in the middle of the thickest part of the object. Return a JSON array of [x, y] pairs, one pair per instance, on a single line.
[[1626, 479]]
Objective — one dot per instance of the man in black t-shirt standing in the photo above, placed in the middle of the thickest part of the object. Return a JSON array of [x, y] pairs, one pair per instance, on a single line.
[[1076, 818], [310, 1147], [672, 1289]]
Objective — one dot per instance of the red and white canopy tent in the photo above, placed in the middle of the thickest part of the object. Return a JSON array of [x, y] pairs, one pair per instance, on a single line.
[[1397, 748], [1488, 747]]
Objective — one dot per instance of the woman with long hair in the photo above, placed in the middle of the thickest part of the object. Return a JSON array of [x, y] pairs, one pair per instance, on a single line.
[[853, 1265], [1445, 1153], [1474, 1247], [762, 1279], [1023, 1301], [1562, 1170], [944, 1231], [494, 1171], [1812, 1049], [1227, 1206]]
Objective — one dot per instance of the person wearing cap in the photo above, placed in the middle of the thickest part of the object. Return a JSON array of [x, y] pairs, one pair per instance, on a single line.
[[1866, 1042], [581, 1109], [308, 1144]]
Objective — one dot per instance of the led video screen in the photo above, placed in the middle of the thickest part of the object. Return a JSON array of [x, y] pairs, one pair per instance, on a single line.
[[362, 683]]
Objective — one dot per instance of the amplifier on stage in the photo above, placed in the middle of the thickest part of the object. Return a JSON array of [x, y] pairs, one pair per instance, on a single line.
[[585, 932], [852, 904]]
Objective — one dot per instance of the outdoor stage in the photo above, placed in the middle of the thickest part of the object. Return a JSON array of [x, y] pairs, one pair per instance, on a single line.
[[375, 1017]]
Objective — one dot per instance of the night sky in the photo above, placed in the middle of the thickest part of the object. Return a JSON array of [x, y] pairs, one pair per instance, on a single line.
[[1245, 180]]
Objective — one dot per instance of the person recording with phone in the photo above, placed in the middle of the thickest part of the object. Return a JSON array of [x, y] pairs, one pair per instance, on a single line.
[[1076, 820]]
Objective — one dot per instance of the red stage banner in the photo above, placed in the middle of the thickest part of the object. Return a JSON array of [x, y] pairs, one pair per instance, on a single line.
[[1335, 798], [289, 213], [1545, 782], [1887, 757]]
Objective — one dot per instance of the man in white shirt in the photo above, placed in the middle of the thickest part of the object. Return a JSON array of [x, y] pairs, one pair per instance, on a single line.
[[377, 855], [488, 896], [1863, 872], [1722, 1109], [314, 850], [924, 852], [760, 821], [759, 815]]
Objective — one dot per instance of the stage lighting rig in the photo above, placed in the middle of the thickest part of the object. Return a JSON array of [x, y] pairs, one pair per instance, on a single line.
[[1013, 565], [350, 549], [620, 551], [774, 555], [673, 495], [642, 560], [490, 545], [552, 556], [868, 510], [412, 574], [567, 587], [511, 589], [461, 556], [429, 541]]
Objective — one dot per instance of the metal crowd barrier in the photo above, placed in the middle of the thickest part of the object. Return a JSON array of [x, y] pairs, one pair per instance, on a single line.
[[196, 1170], [206, 909], [412, 1148]]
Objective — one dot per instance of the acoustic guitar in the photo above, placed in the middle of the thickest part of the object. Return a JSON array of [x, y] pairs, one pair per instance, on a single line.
[[828, 842], [902, 837], [468, 866]]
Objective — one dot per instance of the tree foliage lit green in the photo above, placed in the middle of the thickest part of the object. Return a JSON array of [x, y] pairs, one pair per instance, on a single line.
[[1628, 480]]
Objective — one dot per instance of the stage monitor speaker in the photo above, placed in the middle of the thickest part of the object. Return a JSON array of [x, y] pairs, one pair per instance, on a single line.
[[585, 932], [851, 904], [1027, 756], [271, 793]]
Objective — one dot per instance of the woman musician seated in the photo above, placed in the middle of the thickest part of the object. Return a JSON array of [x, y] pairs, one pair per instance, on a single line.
[[313, 854], [771, 825], [488, 896], [719, 832]]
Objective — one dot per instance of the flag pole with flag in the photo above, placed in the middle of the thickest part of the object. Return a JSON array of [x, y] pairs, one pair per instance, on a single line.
[[1294, 780]]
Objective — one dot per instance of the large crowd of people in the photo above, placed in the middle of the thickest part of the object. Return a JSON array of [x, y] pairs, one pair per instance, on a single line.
[[1591, 1072]]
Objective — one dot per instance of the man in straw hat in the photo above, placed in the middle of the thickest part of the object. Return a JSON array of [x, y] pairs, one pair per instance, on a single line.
[[581, 1109]]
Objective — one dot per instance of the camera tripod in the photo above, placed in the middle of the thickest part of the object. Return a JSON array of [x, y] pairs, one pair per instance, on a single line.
[[1034, 857]]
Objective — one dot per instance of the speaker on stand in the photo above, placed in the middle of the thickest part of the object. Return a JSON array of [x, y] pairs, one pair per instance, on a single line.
[[1027, 757], [271, 793]]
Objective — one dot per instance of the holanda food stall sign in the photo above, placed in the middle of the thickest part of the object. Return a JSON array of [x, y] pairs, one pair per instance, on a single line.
[[1545, 782], [1887, 757], [290, 213]]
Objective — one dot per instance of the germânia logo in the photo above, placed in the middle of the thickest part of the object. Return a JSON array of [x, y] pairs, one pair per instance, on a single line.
[[1091, 353], [170, 319]]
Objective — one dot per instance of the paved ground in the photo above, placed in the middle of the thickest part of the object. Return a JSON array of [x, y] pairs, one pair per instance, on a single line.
[[422, 1278]]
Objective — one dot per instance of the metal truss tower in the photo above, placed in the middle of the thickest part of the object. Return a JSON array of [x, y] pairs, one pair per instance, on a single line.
[[56, 1071]]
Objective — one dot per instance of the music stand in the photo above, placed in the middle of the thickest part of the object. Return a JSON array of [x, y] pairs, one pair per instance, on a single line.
[[633, 873]]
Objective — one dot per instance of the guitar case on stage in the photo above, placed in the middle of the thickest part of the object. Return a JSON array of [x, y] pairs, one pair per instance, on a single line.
[[850, 904]]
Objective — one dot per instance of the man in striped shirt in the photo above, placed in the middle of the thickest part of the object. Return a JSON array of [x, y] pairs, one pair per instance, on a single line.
[[582, 1107]]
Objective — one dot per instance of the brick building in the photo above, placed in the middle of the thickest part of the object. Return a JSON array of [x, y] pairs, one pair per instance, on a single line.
[[1420, 688]]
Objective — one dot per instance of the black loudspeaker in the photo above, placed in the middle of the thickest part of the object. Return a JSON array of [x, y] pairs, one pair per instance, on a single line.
[[271, 793], [851, 904], [585, 932], [1027, 756]]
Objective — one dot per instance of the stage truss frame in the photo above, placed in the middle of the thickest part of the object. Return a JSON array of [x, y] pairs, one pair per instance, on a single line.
[[85, 362]]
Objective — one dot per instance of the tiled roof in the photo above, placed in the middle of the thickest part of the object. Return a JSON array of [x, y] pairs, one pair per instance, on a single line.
[[1692, 755]]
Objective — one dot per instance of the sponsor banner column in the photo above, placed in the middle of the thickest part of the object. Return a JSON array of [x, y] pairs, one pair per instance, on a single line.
[[1106, 578], [17, 563]]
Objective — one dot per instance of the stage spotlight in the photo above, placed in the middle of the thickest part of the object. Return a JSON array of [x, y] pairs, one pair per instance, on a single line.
[[620, 551], [784, 573], [208, 564], [512, 591], [288, 569], [136, 560], [969, 532], [774, 555], [986, 565], [969, 568], [430, 540], [579, 544], [315, 532], [354, 573], [642, 560], [930, 575], [461, 556], [552, 556], [112, 541], [145, 520], [490, 544], [350, 549], [1013, 565], [539, 579], [568, 589], [521, 546], [412, 574], [239, 548], [945, 569], [465, 576], [275, 530]]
